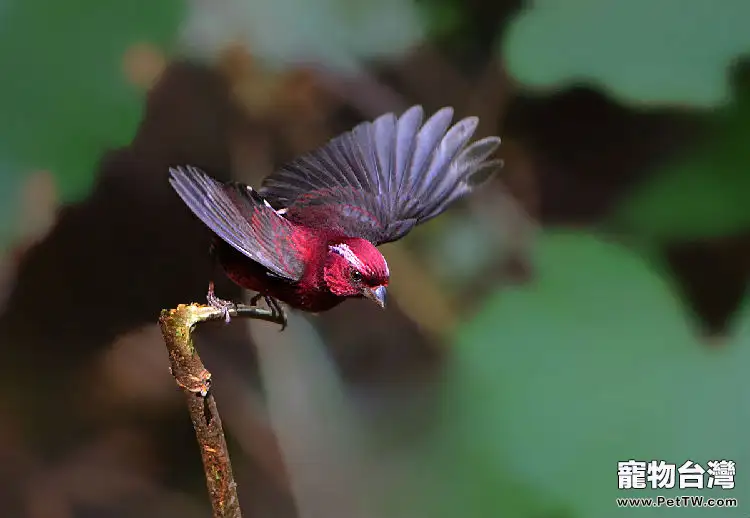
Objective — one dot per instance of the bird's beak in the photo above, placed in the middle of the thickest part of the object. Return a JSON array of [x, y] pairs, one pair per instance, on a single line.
[[376, 295]]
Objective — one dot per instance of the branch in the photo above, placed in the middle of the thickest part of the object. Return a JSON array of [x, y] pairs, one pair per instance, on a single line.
[[190, 374]]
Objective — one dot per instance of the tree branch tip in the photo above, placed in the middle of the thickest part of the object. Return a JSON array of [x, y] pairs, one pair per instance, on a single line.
[[186, 316]]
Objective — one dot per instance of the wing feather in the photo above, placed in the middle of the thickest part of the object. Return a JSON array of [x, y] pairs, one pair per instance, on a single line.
[[383, 177], [243, 218], [406, 142], [384, 131], [365, 151], [438, 173]]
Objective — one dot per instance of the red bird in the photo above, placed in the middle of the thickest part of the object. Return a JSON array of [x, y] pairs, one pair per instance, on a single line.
[[308, 237]]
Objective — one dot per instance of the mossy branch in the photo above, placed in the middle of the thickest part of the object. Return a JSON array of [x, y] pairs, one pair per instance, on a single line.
[[193, 378]]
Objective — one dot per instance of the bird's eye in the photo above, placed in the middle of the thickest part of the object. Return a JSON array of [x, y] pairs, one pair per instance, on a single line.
[[356, 276]]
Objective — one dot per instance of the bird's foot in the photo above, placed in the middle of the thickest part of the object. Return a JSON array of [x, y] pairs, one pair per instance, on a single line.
[[223, 305], [278, 311]]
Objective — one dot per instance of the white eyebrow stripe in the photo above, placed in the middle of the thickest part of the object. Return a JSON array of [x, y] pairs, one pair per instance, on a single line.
[[344, 251]]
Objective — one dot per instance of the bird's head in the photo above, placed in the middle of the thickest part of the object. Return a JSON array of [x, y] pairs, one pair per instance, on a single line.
[[355, 268]]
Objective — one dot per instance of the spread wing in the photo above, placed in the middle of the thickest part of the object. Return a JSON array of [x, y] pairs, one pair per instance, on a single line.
[[382, 178], [242, 218]]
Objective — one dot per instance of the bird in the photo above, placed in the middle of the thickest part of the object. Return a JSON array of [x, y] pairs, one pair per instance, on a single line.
[[308, 236]]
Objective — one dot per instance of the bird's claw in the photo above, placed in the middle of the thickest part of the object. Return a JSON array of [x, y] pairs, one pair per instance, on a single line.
[[278, 312], [225, 306], [282, 320]]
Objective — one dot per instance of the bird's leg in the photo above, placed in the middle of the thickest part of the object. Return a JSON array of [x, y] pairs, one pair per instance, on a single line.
[[211, 298], [278, 311], [226, 305], [220, 304]]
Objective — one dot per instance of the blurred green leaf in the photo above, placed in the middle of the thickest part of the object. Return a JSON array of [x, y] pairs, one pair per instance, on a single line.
[[704, 194], [442, 16], [64, 97], [335, 33], [669, 51], [553, 384], [451, 477], [9, 204]]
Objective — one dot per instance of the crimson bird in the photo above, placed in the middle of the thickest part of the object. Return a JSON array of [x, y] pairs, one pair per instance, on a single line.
[[308, 237]]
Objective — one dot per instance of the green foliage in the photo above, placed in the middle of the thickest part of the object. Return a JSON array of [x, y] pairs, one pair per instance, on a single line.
[[681, 55], [443, 16], [9, 205], [553, 384], [335, 33], [64, 98], [671, 51], [703, 194]]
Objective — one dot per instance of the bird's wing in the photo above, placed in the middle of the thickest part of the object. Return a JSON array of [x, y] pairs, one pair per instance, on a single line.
[[241, 217], [382, 178]]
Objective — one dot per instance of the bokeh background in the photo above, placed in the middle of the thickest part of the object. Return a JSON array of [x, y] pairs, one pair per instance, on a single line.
[[588, 307]]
